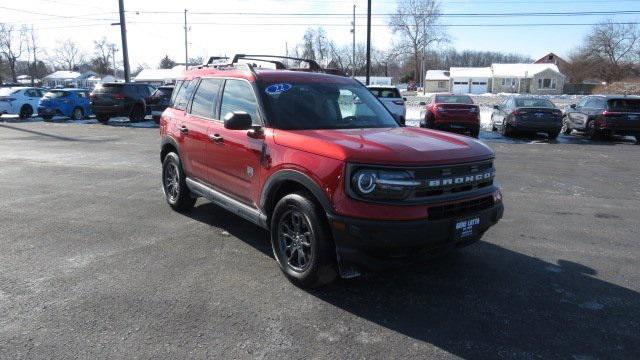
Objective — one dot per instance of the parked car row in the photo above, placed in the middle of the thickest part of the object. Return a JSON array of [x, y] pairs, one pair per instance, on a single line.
[[131, 100]]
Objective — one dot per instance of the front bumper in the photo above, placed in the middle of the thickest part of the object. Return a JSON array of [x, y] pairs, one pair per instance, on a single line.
[[48, 111], [373, 245]]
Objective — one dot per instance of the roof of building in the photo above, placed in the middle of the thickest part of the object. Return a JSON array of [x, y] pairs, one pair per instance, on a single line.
[[159, 74], [470, 72], [550, 58], [521, 70], [439, 75], [63, 74]]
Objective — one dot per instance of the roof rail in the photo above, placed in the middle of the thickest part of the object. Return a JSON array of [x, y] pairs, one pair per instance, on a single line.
[[313, 65]]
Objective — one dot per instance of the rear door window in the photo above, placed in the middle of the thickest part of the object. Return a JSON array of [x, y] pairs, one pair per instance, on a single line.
[[184, 94], [108, 89], [175, 92], [205, 98], [624, 105], [239, 96]]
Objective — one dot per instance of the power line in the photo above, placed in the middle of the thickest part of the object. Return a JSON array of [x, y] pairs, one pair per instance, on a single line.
[[349, 25]]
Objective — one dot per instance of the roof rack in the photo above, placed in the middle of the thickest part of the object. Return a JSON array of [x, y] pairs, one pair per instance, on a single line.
[[313, 65]]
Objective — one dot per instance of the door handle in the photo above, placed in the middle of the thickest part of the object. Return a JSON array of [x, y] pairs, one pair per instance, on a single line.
[[215, 138], [184, 129]]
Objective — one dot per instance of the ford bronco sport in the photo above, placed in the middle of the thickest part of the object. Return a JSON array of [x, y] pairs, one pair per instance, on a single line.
[[318, 161]]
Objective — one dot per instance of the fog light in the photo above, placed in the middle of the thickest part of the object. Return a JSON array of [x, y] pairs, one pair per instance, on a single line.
[[497, 196]]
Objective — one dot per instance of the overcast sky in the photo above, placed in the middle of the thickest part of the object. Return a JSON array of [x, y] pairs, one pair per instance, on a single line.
[[151, 35]]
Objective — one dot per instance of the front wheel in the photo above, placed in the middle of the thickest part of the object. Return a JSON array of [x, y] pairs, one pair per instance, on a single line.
[[565, 127], [77, 114], [103, 119], [25, 112], [593, 133], [302, 242], [137, 114], [638, 139], [174, 184], [553, 135]]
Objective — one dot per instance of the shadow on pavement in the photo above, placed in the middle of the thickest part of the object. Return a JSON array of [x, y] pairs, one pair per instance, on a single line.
[[39, 135], [482, 302]]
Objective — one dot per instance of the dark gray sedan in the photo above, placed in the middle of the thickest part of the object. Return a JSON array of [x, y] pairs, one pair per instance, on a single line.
[[519, 114]]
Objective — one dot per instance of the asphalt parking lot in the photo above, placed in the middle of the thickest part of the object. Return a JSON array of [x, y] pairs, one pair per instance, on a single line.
[[94, 264]]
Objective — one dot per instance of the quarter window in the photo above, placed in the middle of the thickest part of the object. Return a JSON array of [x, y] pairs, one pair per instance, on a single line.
[[184, 95], [239, 96], [205, 98]]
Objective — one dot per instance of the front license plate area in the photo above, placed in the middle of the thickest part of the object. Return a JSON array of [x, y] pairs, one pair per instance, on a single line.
[[466, 228]]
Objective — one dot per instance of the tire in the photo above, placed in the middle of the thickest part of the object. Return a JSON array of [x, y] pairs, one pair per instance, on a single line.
[[102, 118], [77, 114], [592, 132], [638, 139], [156, 119], [475, 133], [137, 113], [307, 260], [25, 112], [553, 135], [47, 117], [506, 130], [565, 127], [174, 184]]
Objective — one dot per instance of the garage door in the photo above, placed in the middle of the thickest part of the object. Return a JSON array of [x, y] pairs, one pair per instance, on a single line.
[[478, 86], [460, 87]]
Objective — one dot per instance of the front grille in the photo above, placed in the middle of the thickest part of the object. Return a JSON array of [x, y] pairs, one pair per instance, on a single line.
[[460, 208], [437, 180]]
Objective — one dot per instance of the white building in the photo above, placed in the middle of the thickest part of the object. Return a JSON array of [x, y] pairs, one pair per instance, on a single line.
[[436, 81], [470, 80], [64, 78], [159, 76]]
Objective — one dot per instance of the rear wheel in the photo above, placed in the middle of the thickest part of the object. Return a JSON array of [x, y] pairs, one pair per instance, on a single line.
[[592, 132], [174, 184], [553, 135], [77, 114], [507, 130], [137, 114], [638, 139], [475, 133], [102, 118], [25, 112], [302, 242], [47, 117]]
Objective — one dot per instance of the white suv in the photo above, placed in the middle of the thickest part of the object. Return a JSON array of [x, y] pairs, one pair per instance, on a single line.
[[19, 100], [392, 100]]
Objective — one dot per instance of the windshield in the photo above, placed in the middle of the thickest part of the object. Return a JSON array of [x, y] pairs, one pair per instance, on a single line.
[[54, 94], [389, 93], [7, 91], [534, 103], [306, 106], [453, 99], [624, 105]]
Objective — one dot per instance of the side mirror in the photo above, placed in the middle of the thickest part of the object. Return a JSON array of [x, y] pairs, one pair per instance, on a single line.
[[573, 106], [237, 120], [497, 107], [422, 103]]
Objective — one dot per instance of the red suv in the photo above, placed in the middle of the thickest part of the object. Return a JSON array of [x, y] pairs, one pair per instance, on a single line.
[[455, 113], [318, 161]]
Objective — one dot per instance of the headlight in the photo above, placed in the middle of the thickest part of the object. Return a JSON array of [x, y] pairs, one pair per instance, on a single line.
[[383, 184]]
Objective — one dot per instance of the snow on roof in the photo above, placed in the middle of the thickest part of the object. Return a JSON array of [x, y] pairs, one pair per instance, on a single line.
[[440, 75], [521, 70], [63, 74], [470, 72], [158, 74]]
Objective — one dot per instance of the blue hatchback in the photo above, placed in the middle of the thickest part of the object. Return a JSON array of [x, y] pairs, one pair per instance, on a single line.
[[73, 103]]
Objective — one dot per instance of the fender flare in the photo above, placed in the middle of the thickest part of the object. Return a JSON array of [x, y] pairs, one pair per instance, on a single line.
[[170, 141], [276, 179]]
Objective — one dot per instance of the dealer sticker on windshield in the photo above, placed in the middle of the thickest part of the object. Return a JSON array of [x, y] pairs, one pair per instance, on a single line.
[[276, 89], [465, 228]]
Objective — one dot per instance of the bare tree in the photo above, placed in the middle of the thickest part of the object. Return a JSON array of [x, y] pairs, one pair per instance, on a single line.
[[12, 44], [101, 62], [68, 56], [417, 24], [610, 52]]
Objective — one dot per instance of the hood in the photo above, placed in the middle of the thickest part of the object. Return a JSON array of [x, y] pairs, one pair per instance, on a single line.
[[387, 146]]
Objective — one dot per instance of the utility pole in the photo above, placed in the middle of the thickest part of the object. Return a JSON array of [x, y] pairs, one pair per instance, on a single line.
[[123, 33], [368, 40], [34, 74], [424, 57], [353, 32], [186, 45]]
